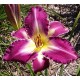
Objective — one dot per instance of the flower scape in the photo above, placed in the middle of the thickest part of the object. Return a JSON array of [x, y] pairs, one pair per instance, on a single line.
[[39, 40]]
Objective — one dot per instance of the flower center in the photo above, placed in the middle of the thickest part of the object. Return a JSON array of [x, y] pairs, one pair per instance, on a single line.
[[38, 41], [41, 41]]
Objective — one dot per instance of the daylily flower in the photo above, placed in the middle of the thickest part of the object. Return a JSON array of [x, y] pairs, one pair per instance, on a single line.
[[39, 41], [13, 14]]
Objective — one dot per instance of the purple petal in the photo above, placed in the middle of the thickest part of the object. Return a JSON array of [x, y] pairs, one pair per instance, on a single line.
[[21, 50], [40, 63], [57, 28], [36, 21], [60, 50], [21, 33]]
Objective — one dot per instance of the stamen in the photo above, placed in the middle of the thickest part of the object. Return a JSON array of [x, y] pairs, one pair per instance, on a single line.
[[38, 41]]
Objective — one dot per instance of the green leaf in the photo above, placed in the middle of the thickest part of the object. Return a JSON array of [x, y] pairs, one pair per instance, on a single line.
[[2, 13], [2, 16], [74, 25], [53, 12], [46, 72], [61, 70], [1, 52], [4, 44], [31, 71], [4, 73], [78, 71]]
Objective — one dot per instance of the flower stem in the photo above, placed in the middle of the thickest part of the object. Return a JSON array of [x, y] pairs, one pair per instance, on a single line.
[[61, 70], [31, 71]]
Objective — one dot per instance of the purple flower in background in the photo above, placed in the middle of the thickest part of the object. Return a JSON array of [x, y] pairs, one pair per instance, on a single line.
[[39, 41]]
